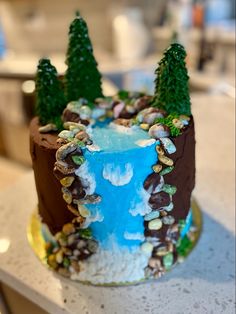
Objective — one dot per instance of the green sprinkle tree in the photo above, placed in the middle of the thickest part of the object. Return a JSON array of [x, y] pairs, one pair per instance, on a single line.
[[50, 99], [172, 90], [82, 78]]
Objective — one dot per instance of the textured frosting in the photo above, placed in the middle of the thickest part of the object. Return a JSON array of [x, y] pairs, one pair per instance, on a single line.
[[182, 176], [52, 207], [116, 264]]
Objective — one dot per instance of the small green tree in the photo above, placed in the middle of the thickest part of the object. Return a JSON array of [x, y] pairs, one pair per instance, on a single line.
[[82, 78], [172, 90], [50, 99]]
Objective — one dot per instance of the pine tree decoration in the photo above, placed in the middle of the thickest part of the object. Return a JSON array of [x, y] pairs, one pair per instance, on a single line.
[[50, 100], [82, 78], [172, 90]]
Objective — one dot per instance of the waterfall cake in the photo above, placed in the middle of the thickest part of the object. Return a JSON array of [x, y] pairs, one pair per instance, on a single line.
[[114, 175]]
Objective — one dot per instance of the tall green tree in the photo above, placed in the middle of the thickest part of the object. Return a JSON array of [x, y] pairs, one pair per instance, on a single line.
[[50, 99], [172, 89], [82, 78]]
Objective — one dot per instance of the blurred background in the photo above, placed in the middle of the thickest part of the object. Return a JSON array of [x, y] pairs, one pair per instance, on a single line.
[[129, 37]]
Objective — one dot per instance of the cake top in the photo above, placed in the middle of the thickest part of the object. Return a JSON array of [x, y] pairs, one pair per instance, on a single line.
[[77, 102]]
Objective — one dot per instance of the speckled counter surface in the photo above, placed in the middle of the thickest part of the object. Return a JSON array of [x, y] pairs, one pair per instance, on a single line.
[[204, 283]]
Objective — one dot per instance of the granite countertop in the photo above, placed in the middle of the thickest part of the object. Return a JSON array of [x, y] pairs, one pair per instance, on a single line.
[[204, 283]]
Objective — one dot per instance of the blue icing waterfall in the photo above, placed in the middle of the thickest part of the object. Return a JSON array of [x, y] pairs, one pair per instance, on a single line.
[[119, 169]]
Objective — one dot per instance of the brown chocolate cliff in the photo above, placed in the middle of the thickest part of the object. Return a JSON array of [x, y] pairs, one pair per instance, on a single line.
[[52, 207]]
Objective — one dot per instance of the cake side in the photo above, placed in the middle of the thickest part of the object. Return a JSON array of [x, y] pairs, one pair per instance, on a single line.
[[52, 207], [153, 242], [182, 177]]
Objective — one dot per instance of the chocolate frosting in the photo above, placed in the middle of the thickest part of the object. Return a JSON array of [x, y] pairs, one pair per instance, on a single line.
[[52, 208], [182, 177]]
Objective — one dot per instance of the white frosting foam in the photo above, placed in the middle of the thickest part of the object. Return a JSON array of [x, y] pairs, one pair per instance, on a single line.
[[118, 265], [116, 176], [134, 236], [142, 208], [87, 178], [96, 216], [145, 143]]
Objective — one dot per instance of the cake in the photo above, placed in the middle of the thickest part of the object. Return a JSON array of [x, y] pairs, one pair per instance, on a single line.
[[114, 175]]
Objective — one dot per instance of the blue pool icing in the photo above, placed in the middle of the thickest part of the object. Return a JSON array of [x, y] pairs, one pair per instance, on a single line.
[[114, 138]]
